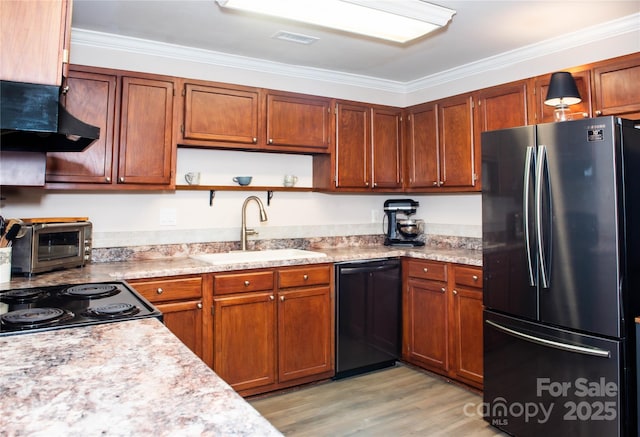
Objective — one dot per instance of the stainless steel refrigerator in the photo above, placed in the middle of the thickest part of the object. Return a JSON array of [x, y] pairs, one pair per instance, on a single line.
[[561, 261]]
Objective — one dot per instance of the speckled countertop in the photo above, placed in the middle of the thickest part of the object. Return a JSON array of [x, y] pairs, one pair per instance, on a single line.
[[172, 266], [117, 379]]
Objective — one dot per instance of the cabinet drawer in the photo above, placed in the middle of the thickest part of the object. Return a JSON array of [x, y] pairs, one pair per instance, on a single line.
[[303, 276], [242, 282], [428, 270], [163, 290], [468, 276]]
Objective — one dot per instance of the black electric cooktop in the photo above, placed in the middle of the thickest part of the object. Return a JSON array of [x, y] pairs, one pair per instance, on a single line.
[[24, 310]]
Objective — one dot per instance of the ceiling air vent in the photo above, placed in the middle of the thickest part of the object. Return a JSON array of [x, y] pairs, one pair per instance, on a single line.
[[295, 37]]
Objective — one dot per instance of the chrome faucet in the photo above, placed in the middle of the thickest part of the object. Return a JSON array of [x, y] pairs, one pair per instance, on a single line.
[[244, 231]]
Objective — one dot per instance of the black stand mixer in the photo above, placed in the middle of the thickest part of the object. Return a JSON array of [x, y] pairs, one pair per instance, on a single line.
[[399, 231]]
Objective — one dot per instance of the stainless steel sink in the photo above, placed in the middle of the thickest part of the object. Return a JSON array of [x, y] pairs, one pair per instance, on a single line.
[[257, 256]]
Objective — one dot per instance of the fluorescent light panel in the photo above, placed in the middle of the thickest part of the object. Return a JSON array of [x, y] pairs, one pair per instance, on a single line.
[[399, 20]]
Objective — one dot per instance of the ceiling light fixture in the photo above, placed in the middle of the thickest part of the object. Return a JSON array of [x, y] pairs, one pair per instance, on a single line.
[[394, 20]]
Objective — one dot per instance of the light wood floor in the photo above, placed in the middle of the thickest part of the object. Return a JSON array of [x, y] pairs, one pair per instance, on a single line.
[[398, 401]]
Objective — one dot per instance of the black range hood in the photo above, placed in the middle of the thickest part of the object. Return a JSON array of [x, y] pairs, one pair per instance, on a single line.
[[32, 119]]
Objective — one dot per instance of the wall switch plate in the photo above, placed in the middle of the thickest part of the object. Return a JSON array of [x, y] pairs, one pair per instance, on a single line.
[[168, 217]]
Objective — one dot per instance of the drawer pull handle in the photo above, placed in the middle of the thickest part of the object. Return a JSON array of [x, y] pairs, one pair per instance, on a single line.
[[247, 283], [159, 290], [305, 277], [475, 277], [425, 270]]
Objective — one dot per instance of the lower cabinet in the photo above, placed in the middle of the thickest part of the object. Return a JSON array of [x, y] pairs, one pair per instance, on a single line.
[[273, 328], [442, 319], [180, 299]]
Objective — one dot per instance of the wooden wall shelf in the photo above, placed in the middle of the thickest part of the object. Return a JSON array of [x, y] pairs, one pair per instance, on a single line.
[[213, 188]]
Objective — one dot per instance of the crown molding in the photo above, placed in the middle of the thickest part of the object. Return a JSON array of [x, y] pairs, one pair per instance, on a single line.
[[583, 37]]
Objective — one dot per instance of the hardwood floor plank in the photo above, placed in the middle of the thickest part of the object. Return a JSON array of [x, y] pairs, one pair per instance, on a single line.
[[398, 401]]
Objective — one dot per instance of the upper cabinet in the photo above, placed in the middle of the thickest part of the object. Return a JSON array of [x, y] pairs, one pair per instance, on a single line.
[[441, 148], [136, 148], [217, 115], [368, 150], [35, 40], [297, 123], [501, 107], [616, 87]]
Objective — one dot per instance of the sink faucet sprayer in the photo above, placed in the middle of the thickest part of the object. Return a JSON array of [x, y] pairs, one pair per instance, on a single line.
[[243, 230]]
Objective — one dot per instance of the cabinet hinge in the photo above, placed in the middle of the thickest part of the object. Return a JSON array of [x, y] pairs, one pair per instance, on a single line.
[[182, 128], [475, 177]]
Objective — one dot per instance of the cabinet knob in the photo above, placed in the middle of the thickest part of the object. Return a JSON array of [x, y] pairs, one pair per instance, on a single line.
[[435, 183], [247, 283], [199, 305], [443, 289], [366, 184], [65, 90], [271, 297], [455, 292], [305, 277], [254, 139], [425, 270], [441, 182], [121, 179], [598, 112], [375, 184], [108, 179], [475, 277], [159, 290], [281, 298], [270, 140]]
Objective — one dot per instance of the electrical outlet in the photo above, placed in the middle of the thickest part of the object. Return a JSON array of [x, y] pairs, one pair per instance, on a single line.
[[168, 217]]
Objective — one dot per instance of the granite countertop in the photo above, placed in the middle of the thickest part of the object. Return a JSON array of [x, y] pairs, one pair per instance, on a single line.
[[104, 272], [116, 379]]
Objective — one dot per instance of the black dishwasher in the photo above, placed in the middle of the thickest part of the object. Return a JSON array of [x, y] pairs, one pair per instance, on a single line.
[[368, 316]]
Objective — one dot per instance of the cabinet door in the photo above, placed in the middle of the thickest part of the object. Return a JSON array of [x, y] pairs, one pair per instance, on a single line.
[[501, 107], [423, 155], [386, 148], [245, 339], [542, 113], [91, 98], [219, 115], [426, 324], [467, 335], [146, 131], [615, 85], [305, 344], [297, 122], [34, 37], [457, 167], [184, 319], [353, 146]]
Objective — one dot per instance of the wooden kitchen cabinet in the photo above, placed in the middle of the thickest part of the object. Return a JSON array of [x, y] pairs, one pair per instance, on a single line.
[[442, 319], [368, 150], [297, 123], [425, 317], [35, 37], [501, 107], [615, 87], [273, 328], [181, 301], [216, 114], [136, 148], [441, 149], [466, 325]]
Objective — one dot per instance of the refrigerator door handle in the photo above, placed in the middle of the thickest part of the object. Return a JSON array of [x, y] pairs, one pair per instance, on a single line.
[[525, 210], [542, 158], [550, 343]]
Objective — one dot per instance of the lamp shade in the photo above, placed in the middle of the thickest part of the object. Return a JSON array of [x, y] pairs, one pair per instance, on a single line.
[[562, 90]]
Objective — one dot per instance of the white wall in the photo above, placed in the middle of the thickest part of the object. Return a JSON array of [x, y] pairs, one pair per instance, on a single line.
[[125, 218]]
